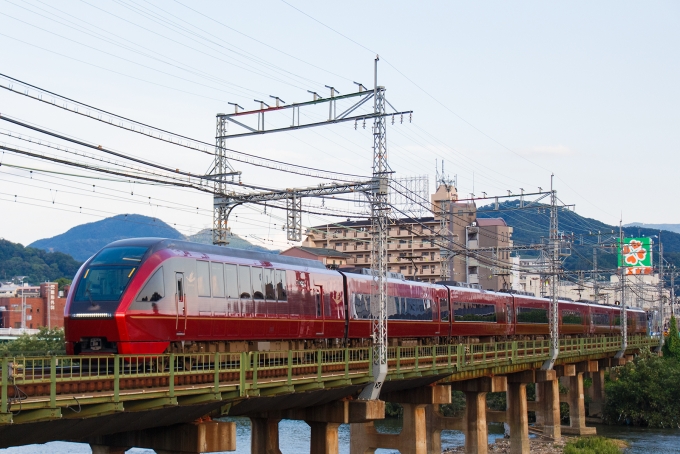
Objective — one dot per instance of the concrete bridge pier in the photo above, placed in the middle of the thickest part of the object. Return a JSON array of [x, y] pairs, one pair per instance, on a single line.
[[264, 435], [547, 404], [517, 412], [324, 421], [196, 438], [413, 438], [575, 398], [475, 427], [596, 391]]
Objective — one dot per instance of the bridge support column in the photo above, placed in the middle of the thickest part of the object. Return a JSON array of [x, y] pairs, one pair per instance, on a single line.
[[577, 409], [264, 436], [365, 439], [596, 392], [475, 428], [210, 436], [416, 436], [435, 422], [517, 414], [324, 421], [548, 406], [99, 449]]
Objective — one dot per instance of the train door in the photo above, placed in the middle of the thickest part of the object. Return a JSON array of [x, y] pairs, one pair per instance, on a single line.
[[319, 308], [180, 305]]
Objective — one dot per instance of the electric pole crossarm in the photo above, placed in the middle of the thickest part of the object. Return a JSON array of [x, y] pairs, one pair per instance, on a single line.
[[309, 125], [317, 101], [315, 191]]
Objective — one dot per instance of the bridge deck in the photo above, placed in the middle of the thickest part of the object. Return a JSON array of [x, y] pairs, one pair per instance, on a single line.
[[46, 388]]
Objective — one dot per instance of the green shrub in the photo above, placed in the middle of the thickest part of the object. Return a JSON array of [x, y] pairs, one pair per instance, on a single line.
[[594, 445], [646, 392], [46, 341]]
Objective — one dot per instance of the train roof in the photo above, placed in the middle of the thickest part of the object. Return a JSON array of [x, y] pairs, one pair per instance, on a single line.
[[156, 244]]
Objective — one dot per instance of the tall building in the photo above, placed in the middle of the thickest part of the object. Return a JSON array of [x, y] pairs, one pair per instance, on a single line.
[[43, 305], [431, 248]]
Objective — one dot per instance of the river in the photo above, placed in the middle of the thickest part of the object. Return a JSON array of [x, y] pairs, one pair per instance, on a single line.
[[294, 439]]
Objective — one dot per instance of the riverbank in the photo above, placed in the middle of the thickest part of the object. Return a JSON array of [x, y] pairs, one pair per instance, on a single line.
[[538, 446]]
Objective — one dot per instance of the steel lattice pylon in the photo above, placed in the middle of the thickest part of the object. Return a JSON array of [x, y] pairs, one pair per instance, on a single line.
[[221, 171], [554, 259], [380, 209]]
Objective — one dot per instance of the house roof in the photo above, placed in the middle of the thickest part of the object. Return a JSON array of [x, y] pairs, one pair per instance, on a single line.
[[322, 251], [488, 222]]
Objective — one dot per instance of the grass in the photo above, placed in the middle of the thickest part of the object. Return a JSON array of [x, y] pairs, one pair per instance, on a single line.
[[592, 445]]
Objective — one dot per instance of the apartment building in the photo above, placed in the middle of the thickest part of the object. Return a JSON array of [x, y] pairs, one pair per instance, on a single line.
[[415, 245]]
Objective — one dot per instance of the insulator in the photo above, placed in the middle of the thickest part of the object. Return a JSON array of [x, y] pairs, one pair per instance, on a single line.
[[392, 119], [402, 119], [410, 117], [355, 125]]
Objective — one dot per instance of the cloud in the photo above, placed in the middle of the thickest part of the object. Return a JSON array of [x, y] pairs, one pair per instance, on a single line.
[[548, 150]]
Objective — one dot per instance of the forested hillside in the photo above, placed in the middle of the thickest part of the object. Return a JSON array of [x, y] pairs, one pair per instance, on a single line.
[[38, 265], [531, 224]]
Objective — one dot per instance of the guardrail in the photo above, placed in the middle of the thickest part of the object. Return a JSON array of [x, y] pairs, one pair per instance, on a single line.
[[57, 382], [17, 331]]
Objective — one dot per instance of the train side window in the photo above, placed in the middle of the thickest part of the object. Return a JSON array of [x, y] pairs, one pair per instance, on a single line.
[[317, 299], [217, 279], [244, 287], [571, 318], [258, 282], [474, 312], [231, 274], [444, 309], [203, 278], [269, 290], [154, 290], [532, 315], [281, 285], [361, 307], [600, 319]]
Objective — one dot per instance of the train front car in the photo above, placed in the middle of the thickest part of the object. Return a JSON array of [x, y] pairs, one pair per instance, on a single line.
[[150, 296], [93, 321]]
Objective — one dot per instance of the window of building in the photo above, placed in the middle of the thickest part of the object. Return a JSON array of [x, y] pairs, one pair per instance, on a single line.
[[217, 279], [203, 278], [532, 315], [474, 312], [154, 289], [231, 276]]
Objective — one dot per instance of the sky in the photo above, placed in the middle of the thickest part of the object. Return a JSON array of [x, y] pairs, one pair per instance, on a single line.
[[505, 93]]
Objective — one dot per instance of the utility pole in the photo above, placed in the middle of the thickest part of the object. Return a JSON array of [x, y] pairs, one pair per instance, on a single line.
[[379, 228], [624, 319], [596, 288], [222, 170], [554, 270], [660, 292]]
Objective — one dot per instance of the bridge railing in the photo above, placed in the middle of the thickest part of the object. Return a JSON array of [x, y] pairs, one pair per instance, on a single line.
[[46, 378]]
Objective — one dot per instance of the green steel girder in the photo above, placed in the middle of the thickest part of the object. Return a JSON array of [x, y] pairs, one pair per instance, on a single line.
[[37, 415], [89, 411], [458, 362]]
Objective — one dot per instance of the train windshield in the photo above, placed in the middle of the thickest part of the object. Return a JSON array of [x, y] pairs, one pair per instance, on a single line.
[[103, 282]]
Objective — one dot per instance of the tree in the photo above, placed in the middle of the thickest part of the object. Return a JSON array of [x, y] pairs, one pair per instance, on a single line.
[[671, 347], [46, 341], [645, 393]]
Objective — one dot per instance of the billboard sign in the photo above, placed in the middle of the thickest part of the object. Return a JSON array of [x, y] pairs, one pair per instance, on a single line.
[[635, 255]]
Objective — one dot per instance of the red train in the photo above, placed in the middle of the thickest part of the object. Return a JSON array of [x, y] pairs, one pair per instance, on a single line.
[[151, 295]]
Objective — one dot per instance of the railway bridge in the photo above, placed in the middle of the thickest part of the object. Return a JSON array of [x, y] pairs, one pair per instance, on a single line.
[[170, 403]]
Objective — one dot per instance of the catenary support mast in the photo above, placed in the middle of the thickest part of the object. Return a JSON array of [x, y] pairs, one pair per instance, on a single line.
[[554, 276], [379, 228]]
